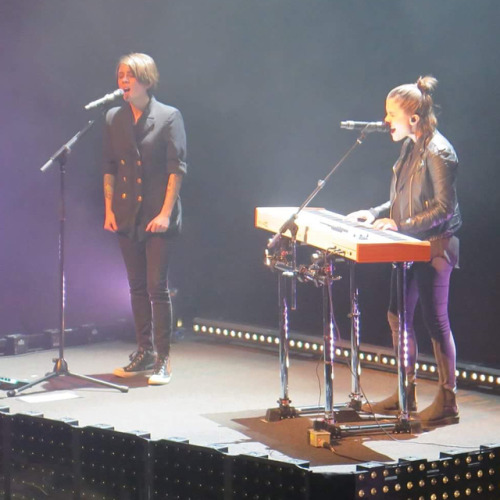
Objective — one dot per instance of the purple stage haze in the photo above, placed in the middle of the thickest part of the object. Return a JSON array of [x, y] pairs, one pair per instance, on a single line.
[[263, 87]]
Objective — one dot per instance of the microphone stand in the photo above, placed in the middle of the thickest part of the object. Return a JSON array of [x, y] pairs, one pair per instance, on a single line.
[[285, 410], [60, 364], [289, 223]]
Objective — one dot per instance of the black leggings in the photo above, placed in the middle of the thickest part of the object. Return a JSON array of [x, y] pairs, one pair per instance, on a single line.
[[429, 282]]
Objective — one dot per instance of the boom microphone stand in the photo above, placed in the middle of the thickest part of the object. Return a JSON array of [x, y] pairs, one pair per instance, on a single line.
[[60, 364], [285, 410]]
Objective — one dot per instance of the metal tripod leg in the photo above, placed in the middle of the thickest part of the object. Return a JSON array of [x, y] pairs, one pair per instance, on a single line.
[[61, 369], [328, 423], [284, 410], [356, 396], [329, 348], [403, 354]]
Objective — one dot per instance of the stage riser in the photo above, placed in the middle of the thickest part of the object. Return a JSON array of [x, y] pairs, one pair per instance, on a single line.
[[57, 459], [43, 458]]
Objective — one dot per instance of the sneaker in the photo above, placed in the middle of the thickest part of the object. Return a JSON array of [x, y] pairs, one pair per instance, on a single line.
[[141, 363], [162, 373]]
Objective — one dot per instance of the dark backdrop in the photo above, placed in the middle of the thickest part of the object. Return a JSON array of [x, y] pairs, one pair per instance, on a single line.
[[262, 85]]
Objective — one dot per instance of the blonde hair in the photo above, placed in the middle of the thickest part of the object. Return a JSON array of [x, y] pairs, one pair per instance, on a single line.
[[143, 67], [416, 99]]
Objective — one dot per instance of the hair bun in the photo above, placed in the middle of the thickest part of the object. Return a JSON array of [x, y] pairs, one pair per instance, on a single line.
[[426, 84]]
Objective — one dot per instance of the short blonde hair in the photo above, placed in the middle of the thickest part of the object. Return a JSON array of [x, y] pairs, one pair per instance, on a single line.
[[143, 67]]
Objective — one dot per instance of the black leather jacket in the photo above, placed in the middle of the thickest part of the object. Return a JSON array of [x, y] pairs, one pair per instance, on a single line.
[[424, 202]]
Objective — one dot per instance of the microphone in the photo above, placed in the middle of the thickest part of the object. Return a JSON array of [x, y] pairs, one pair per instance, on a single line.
[[365, 126], [108, 98]]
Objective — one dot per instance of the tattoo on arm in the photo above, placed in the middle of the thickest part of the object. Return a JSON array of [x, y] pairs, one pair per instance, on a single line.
[[109, 186]]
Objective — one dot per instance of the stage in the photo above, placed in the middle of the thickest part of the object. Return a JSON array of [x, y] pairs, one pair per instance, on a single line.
[[219, 395]]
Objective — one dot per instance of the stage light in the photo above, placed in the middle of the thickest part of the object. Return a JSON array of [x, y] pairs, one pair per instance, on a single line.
[[380, 358]]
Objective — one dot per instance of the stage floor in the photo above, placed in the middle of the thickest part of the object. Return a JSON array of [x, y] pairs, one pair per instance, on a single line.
[[219, 394]]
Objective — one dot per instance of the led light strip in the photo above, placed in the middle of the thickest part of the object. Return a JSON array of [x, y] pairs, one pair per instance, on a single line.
[[485, 378]]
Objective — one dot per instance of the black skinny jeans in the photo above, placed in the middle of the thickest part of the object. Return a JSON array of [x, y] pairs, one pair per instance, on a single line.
[[147, 270]]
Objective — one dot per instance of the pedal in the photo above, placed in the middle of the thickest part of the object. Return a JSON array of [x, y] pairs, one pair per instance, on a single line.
[[318, 439]]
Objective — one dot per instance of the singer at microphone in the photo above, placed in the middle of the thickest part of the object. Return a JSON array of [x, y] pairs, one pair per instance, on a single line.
[[422, 204], [144, 162], [366, 127], [107, 99]]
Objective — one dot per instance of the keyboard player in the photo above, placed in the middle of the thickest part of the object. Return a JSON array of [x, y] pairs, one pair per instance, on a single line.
[[423, 204]]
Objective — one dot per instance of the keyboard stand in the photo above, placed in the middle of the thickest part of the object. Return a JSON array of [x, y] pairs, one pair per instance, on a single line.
[[341, 419]]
